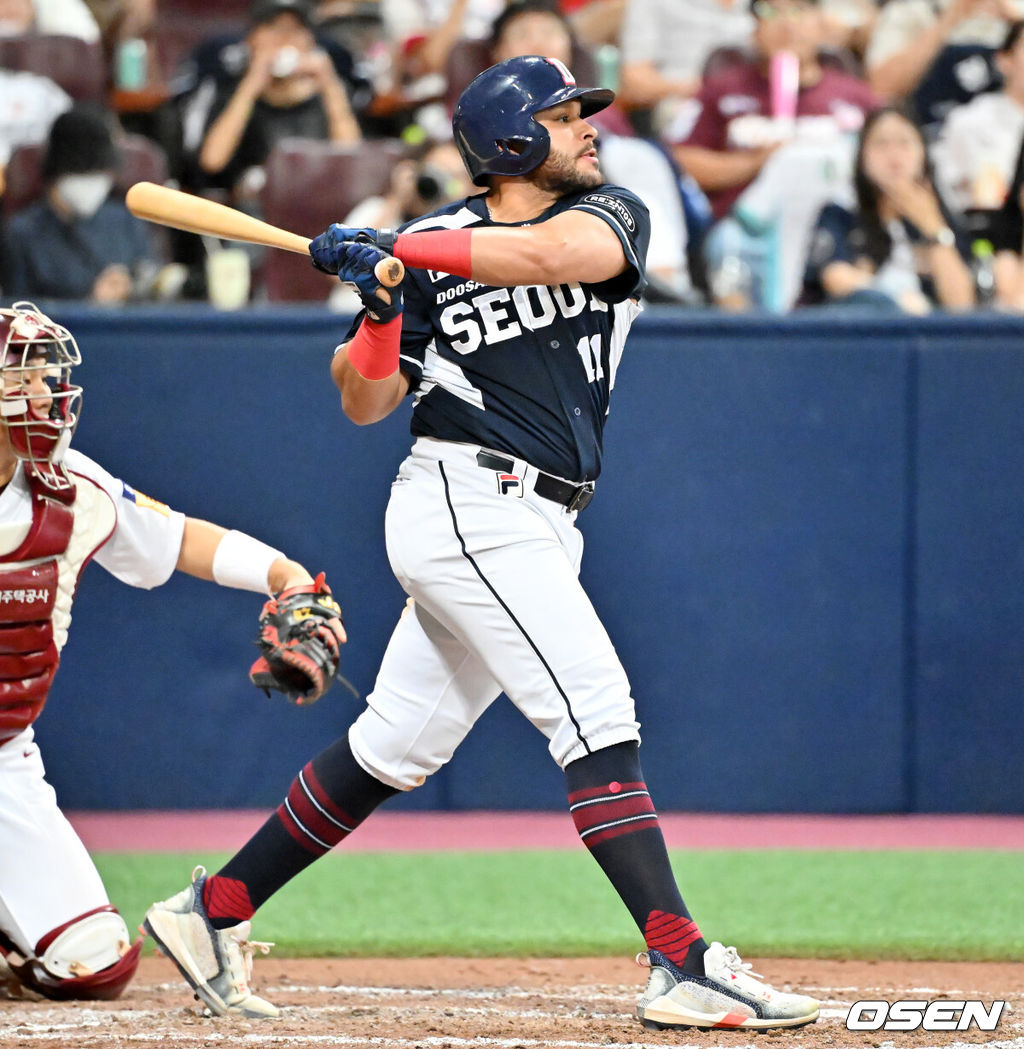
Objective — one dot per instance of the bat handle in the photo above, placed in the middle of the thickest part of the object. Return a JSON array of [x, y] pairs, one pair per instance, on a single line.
[[389, 272]]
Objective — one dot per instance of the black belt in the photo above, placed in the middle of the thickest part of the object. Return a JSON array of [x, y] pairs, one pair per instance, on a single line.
[[565, 493]]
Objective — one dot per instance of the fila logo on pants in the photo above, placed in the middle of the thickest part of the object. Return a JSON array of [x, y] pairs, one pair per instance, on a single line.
[[509, 484]]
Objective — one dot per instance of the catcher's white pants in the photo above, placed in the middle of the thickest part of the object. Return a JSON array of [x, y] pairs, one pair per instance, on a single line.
[[46, 875], [496, 607]]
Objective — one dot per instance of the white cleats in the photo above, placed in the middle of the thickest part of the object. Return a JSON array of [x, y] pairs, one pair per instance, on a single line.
[[729, 995], [216, 963]]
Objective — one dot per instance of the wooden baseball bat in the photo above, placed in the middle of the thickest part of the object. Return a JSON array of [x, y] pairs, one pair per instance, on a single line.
[[172, 207]]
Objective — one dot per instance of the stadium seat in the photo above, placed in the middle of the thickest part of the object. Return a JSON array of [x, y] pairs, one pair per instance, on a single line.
[[142, 160], [77, 66], [309, 185]]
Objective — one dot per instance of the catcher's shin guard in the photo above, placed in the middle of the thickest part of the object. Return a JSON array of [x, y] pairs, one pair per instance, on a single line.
[[90, 958]]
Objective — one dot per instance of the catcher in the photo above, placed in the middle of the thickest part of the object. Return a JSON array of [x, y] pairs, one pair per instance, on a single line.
[[59, 934]]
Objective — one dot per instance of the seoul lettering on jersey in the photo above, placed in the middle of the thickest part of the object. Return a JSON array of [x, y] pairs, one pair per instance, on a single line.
[[500, 314], [526, 370]]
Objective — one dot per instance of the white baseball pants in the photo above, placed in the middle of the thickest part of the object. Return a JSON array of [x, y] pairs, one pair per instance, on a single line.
[[497, 606], [46, 876]]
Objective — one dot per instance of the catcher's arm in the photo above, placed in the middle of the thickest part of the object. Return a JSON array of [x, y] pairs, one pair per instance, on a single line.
[[198, 557], [301, 632]]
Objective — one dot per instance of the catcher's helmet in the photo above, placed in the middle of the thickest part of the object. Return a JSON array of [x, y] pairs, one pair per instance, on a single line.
[[32, 347], [493, 120]]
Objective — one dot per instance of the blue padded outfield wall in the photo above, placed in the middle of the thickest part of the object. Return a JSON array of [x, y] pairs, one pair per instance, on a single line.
[[808, 545]]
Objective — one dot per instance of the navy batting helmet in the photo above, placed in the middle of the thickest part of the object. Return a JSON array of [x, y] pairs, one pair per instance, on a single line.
[[493, 121]]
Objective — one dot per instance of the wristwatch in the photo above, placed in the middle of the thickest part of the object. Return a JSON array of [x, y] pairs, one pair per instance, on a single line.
[[944, 237]]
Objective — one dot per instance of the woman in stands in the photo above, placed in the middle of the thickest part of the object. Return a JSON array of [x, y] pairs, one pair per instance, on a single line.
[[899, 248]]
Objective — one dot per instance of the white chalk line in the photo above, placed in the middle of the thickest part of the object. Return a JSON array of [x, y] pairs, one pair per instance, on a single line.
[[50, 1022], [34, 1032]]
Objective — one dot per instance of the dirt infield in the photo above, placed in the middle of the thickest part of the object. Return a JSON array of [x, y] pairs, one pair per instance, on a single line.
[[455, 1003]]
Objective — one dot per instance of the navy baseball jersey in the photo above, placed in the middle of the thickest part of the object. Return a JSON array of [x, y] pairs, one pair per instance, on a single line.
[[525, 370]]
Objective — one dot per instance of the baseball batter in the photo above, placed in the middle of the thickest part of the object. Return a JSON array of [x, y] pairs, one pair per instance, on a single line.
[[507, 332], [59, 934]]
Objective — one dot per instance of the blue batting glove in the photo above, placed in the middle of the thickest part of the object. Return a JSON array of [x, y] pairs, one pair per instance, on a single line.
[[326, 250], [356, 263]]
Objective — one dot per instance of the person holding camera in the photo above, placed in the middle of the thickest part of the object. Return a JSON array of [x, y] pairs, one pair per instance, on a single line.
[[418, 185], [290, 88]]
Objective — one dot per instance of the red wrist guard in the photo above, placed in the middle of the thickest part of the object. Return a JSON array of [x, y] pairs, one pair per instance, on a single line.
[[373, 351], [446, 250]]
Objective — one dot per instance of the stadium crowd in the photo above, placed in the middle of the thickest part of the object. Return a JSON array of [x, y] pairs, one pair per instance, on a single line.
[[795, 154]]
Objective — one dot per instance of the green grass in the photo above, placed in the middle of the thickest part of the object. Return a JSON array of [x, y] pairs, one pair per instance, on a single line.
[[906, 905]]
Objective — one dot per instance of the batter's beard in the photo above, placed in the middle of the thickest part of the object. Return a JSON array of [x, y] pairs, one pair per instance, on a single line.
[[560, 175]]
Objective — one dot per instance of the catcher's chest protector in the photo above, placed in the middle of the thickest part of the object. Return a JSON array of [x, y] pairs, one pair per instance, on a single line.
[[29, 593]]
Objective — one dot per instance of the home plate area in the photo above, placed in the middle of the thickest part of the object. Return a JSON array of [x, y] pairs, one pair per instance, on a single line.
[[451, 1003]]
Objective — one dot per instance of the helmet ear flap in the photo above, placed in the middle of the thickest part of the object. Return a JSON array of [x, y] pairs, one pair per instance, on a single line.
[[515, 146]]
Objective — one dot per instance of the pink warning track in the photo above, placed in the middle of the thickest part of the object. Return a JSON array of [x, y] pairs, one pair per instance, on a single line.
[[226, 830]]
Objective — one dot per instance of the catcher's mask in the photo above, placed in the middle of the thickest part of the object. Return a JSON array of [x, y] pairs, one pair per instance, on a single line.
[[38, 405]]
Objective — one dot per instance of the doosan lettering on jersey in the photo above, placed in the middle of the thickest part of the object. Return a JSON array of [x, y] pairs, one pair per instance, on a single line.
[[552, 352]]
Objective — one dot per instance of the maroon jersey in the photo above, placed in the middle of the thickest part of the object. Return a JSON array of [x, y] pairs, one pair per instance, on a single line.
[[733, 111]]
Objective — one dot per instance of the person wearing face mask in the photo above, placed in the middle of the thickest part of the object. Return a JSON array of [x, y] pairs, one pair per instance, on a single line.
[[79, 241]]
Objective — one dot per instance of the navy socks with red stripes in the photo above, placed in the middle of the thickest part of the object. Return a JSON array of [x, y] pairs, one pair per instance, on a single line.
[[328, 799], [610, 806], [616, 820]]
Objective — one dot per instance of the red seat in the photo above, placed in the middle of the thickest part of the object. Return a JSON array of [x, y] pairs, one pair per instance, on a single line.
[[142, 160], [77, 66], [309, 185]]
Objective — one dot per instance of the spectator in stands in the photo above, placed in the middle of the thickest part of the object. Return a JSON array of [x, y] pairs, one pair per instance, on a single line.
[[358, 28], [849, 25], [49, 17], [595, 22], [899, 249], [78, 242], [1007, 239], [418, 185], [665, 45], [425, 30], [423, 33], [290, 88], [124, 18], [222, 60], [756, 130], [29, 104], [976, 152], [17, 17], [935, 54], [121, 20]]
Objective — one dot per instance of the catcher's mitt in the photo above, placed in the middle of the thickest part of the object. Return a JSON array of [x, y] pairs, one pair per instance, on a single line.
[[300, 638]]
